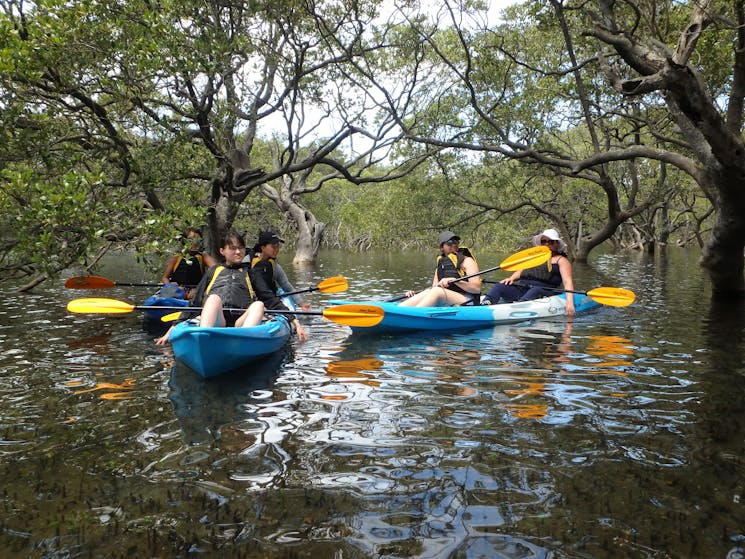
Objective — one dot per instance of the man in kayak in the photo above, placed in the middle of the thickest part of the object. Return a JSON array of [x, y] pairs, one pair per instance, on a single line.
[[540, 281], [264, 273], [226, 286], [453, 262]]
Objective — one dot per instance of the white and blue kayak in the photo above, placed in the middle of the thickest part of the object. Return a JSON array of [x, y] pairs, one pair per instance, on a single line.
[[409, 319], [213, 351]]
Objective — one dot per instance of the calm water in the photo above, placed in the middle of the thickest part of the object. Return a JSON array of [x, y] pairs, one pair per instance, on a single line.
[[619, 434]]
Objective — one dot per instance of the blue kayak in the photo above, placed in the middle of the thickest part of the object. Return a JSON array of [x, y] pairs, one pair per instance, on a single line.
[[170, 295], [410, 319], [213, 351]]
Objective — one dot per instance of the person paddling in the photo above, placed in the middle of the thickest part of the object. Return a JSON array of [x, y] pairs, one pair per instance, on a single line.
[[226, 286], [264, 269], [186, 268], [453, 262], [540, 281]]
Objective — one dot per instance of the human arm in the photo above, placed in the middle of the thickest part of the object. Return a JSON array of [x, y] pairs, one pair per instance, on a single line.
[[302, 335], [511, 279], [208, 260], [472, 284], [565, 268], [166, 277], [164, 338]]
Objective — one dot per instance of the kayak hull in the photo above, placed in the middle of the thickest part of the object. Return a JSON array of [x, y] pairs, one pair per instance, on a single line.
[[410, 319], [214, 351]]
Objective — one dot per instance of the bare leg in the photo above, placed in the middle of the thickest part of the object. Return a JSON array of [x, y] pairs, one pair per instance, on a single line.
[[212, 312], [436, 297], [253, 315], [414, 299]]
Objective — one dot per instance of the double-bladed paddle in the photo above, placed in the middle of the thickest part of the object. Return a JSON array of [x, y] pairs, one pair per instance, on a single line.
[[350, 315], [611, 296], [528, 258], [97, 282], [335, 284]]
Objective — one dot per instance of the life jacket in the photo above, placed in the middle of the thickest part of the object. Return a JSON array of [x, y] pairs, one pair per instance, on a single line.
[[451, 266], [188, 271], [255, 260], [233, 286], [545, 274]]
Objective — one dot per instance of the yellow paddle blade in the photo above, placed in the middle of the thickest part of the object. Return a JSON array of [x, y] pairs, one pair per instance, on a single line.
[[170, 317], [354, 315], [528, 258], [337, 284], [98, 305], [613, 296]]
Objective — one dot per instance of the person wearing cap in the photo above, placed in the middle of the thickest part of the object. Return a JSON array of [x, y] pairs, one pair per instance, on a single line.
[[264, 275], [540, 281], [453, 262]]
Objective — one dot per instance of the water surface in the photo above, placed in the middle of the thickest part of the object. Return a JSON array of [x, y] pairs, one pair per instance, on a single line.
[[617, 434]]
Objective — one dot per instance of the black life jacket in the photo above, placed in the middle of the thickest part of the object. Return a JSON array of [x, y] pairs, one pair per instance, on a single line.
[[188, 271], [233, 285], [270, 282], [545, 274], [451, 266]]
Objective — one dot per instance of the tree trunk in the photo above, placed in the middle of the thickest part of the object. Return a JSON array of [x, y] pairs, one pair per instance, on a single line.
[[221, 214], [310, 231], [722, 255]]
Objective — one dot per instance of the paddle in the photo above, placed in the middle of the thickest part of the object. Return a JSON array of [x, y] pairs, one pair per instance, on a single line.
[[528, 258], [336, 284], [97, 282], [350, 315], [611, 296]]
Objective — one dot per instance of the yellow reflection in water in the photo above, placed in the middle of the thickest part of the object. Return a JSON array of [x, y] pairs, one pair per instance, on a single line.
[[613, 351], [354, 370], [127, 386]]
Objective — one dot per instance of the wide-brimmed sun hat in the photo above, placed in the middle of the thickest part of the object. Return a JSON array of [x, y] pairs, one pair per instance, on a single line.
[[551, 234]]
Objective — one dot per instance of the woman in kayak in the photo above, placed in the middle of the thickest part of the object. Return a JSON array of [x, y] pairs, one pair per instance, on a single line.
[[264, 268], [280, 277], [454, 262], [226, 286], [541, 281], [186, 268]]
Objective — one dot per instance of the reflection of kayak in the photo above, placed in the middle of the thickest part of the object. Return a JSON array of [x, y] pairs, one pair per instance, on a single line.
[[213, 351], [404, 319], [204, 408]]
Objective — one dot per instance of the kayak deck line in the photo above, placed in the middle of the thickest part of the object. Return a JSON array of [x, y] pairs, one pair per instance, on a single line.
[[399, 318]]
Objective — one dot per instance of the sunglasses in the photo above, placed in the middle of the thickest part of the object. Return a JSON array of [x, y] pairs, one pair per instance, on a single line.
[[452, 242], [547, 241]]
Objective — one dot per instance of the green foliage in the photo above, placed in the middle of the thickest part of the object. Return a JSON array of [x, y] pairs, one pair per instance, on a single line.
[[51, 223]]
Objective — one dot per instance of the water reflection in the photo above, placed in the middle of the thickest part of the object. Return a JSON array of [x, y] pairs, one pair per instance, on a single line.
[[617, 434], [206, 408]]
